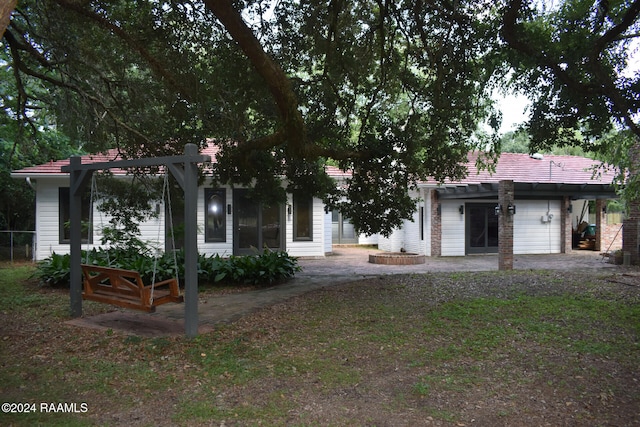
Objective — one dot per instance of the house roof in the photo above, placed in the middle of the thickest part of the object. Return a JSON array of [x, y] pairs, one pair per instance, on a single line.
[[549, 174], [536, 176], [539, 169], [54, 168]]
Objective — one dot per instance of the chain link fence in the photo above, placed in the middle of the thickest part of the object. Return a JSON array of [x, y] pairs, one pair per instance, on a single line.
[[17, 245]]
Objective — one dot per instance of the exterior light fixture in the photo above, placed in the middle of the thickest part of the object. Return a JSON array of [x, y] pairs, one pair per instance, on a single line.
[[461, 209], [511, 209]]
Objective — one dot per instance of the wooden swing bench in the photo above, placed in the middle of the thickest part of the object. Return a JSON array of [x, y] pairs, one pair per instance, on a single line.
[[124, 288]]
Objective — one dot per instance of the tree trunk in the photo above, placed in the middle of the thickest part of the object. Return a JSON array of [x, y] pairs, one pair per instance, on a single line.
[[6, 7]]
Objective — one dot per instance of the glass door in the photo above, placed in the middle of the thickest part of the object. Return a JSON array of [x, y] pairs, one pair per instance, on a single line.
[[481, 228], [255, 226], [342, 231]]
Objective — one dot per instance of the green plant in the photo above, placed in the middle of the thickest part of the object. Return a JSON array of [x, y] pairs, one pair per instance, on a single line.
[[54, 271], [267, 268]]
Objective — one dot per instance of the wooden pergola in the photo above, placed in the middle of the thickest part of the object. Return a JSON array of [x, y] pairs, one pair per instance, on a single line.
[[185, 170]]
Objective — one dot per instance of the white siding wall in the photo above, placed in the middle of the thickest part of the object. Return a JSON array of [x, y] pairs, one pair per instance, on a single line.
[[48, 240], [305, 248], [328, 233], [393, 243], [453, 230], [366, 240], [531, 235], [47, 218], [412, 239], [409, 237]]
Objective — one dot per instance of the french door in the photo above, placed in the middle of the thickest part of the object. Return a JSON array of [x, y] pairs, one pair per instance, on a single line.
[[256, 226]]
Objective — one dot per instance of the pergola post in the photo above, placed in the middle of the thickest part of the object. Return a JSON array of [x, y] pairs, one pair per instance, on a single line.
[[77, 183], [566, 228], [506, 210], [191, 243]]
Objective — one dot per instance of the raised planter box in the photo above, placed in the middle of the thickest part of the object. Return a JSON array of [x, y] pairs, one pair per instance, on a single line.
[[396, 258]]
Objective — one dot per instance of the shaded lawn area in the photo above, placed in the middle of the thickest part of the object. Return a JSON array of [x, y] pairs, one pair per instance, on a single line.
[[492, 348]]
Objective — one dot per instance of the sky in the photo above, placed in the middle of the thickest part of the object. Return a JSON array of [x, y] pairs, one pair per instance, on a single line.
[[514, 112]]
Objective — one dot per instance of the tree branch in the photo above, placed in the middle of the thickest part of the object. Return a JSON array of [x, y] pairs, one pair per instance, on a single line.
[[275, 78], [6, 7], [606, 87], [153, 62], [23, 68], [293, 132], [614, 33], [510, 35]]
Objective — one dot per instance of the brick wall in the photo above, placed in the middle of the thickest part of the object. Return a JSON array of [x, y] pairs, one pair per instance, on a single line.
[[611, 237], [630, 230], [505, 226], [436, 225], [566, 233]]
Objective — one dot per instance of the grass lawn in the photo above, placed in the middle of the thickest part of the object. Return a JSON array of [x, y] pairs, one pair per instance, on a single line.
[[518, 348]]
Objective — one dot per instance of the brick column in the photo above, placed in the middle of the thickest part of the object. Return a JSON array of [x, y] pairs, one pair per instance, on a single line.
[[566, 230], [600, 204], [630, 238], [630, 224], [505, 225], [436, 225]]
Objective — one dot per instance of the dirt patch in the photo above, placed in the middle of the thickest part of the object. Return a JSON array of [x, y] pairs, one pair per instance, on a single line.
[[134, 324]]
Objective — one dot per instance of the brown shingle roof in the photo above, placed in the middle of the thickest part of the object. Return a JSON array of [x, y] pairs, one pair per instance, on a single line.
[[510, 166], [549, 169], [54, 167]]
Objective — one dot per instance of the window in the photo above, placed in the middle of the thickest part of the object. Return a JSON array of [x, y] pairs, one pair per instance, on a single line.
[[302, 217], [216, 217], [65, 216], [421, 222]]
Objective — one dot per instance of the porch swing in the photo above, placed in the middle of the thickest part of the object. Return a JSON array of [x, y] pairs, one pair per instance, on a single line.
[[125, 288]]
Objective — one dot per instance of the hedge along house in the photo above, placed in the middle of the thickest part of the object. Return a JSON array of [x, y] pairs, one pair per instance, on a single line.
[[544, 199], [228, 221]]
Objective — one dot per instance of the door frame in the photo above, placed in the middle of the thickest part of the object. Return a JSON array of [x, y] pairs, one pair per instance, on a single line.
[[489, 210], [237, 250]]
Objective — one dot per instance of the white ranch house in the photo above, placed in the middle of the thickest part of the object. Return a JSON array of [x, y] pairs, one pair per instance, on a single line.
[[453, 219]]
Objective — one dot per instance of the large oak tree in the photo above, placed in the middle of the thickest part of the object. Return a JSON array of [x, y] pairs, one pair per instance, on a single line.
[[394, 91]]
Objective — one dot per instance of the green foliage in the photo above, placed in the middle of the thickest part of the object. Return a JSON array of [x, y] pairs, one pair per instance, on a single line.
[[17, 204], [393, 92], [54, 271], [127, 203], [261, 269], [570, 58]]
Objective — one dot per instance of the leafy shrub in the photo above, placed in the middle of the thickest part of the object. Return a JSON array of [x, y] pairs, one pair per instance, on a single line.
[[260, 269], [55, 270]]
